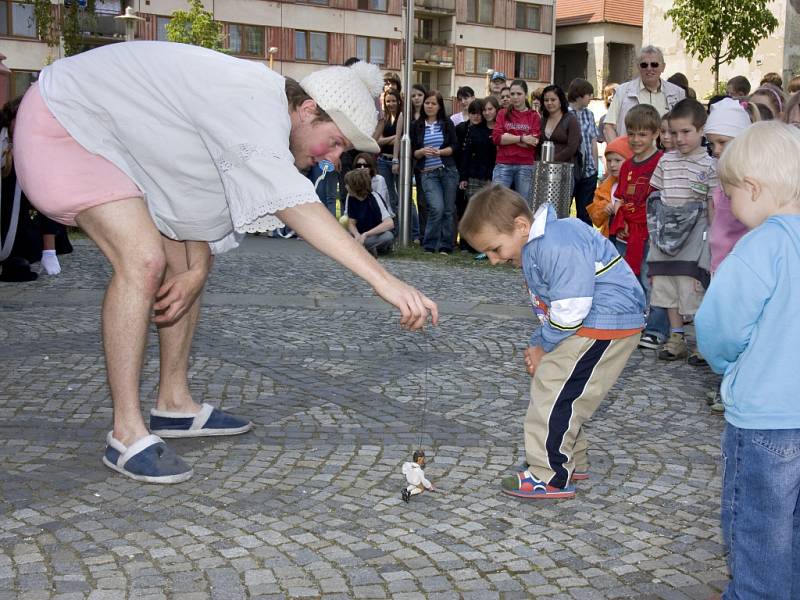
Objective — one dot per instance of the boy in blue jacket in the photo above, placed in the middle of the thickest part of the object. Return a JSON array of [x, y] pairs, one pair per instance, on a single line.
[[747, 329], [591, 310]]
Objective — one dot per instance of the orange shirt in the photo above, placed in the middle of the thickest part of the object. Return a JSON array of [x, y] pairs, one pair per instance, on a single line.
[[602, 198]]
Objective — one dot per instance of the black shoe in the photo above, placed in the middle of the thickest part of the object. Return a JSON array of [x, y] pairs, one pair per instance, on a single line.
[[650, 341], [405, 495], [696, 359]]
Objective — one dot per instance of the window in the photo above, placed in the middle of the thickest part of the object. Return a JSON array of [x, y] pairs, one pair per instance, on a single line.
[[21, 81], [381, 5], [16, 18], [529, 16], [161, 28], [311, 46], [526, 66], [425, 78], [480, 11], [425, 29], [247, 40], [477, 60], [371, 50]]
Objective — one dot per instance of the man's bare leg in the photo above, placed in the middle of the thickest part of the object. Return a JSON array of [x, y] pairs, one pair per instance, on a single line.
[[175, 342], [127, 236]]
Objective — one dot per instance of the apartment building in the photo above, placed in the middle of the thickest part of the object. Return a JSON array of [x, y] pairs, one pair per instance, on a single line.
[[455, 41]]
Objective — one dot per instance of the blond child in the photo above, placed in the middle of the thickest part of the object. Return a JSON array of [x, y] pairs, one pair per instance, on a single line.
[[603, 207], [591, 311], [747, 329]]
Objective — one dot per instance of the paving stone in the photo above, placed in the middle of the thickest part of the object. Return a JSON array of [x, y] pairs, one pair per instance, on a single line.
[[307, 504]]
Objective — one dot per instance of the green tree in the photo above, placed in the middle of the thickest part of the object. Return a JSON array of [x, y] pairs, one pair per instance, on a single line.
[[195, 26], [722, 30], [67, 25]]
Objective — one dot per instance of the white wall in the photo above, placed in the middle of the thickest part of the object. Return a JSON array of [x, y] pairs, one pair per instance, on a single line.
[[25, 55]]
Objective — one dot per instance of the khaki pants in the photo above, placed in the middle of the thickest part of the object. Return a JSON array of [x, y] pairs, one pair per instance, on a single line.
[[569, 385]]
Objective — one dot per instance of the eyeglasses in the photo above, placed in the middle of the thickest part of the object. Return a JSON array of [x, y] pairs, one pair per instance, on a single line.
[[652, 65], [361, 165]]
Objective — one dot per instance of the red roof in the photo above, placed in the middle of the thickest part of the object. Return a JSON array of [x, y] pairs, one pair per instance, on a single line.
[[579, 12]]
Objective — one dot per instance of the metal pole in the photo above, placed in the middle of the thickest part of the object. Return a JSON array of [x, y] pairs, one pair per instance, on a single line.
[[405, 141]]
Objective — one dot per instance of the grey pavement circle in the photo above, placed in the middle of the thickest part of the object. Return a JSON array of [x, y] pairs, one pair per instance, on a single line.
[[308, 504]]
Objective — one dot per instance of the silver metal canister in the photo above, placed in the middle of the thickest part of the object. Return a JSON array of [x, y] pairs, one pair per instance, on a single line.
[[548, 151], [552, 183]]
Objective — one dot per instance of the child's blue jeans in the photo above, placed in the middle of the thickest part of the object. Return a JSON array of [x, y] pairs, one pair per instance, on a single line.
[[657, 319], [761, 512]]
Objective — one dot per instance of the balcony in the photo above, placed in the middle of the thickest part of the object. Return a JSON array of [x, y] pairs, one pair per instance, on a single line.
[[435, 7], [101, 24], [436, 55]]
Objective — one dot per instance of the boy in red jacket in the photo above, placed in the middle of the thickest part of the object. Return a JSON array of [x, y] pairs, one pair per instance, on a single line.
[[643, 124]]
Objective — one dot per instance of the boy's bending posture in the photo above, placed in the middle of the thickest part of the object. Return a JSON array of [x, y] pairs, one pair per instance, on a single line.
[[747, 329], [369, 219], [677, 218], [592, 311]]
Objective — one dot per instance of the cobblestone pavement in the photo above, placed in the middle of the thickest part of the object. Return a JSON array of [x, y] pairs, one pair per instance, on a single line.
[[308, 504]]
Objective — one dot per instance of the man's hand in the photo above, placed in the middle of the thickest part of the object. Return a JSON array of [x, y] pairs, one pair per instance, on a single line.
[[533, 355], [413, 305], [177, 294]]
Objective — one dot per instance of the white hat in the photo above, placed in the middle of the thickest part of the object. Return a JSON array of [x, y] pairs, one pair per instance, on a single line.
[[727, 118], [348, 94]]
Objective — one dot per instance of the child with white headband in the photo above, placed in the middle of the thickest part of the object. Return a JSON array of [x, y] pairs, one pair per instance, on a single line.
[[726, 120]]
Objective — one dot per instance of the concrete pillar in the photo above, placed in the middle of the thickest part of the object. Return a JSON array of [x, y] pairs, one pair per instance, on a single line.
[[5, 81], [597, 68]]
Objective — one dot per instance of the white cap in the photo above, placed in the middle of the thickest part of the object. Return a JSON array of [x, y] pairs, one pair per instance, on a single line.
[[727, 118], [348, 94]]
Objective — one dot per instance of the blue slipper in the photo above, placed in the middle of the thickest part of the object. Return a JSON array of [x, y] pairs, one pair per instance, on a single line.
[[209, 421], [147, 459]]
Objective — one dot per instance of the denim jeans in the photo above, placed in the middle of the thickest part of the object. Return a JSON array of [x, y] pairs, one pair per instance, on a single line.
[[392, 182], [761, 512], [440, 193], [657, 319], [385, 171], [584, 194], [382, 242], [327, 188], [516, 177]]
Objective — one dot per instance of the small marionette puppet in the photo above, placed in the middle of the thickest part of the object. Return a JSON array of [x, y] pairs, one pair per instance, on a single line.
[[415, 476]]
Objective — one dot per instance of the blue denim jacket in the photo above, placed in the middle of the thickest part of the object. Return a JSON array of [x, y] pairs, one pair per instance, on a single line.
[[577, 279]]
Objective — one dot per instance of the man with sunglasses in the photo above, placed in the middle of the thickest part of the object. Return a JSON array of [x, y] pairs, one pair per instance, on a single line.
[[647, 88]]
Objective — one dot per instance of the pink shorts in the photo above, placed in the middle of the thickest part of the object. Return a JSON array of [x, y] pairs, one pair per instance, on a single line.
[[59, 176]]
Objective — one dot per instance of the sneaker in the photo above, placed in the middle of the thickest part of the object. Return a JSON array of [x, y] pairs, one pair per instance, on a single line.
[[650, 341], [711, 397], [696, 359], [525, 485], [405, 495], [675, 348], [718, 408], [481, 256]]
